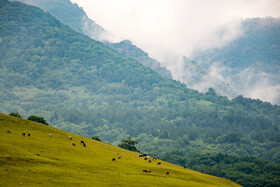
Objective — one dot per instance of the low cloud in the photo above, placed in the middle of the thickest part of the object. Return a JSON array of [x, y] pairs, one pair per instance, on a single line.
[[176, 27]]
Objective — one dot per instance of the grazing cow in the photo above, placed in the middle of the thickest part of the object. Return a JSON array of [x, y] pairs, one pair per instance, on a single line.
[[9, 132], [158, 163], [113, 159], [154, 158], [29, 134], [119, 157], [82, 142], [148, 157], [144, 155], [73, 144], [167, 173], [145, 159], [38, 154], [70, 138], [84, 145], [50, 134], [184, 167], [146, 171], [23, 134], [140, 155], [150, 161]]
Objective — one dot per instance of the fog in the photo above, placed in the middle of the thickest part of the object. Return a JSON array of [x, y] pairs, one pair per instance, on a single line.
[[170, 30], [176, 27]]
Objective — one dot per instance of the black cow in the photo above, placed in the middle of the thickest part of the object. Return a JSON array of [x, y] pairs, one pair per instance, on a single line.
[[167, 173], [158, 163], [113, 159], [82, 142], [150, 161], [23, 134], [9, 132], [73, 144], [29, 134]]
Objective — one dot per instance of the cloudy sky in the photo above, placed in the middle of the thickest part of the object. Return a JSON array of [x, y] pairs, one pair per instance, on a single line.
[[172, 27]]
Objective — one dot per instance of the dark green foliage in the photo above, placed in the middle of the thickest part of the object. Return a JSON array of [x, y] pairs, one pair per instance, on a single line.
[[15, 114], [129, 144], [38, 119], [96, 138], [248, 171]]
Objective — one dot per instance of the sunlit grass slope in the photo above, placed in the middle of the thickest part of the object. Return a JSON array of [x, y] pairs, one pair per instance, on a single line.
[[43, 160]]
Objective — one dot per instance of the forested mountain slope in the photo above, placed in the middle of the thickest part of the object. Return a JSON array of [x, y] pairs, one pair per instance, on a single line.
[[75, 17], [81, 86]]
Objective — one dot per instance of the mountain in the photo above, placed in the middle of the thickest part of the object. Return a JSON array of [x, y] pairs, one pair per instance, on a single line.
[[39, 159], [127, 49], [251, 63], [82, 86], [76, 18], [72, 15]]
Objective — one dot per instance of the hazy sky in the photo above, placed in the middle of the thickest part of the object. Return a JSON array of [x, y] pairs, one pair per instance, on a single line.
[[176, 27]]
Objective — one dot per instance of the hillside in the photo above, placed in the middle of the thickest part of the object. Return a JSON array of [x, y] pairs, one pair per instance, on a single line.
[[83, 87], [76, 18], [43, 160]]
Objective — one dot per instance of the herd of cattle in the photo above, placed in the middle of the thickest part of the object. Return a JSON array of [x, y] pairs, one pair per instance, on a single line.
[[145, 156]]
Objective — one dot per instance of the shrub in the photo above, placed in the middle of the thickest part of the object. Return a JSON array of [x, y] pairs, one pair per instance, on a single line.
[[38, 119], [15, 114]]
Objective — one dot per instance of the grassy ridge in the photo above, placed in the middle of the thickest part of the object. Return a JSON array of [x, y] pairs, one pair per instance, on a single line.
[[43, 160]]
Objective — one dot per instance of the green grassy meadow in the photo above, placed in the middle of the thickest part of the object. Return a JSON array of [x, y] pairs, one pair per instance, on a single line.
[[41, 160]]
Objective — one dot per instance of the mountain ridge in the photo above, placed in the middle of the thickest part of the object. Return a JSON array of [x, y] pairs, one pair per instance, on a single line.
[[81, 86]]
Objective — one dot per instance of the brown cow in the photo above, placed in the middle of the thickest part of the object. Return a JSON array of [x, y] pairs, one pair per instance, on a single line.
[[23, 134], [146, 171], [73, 144], [9, 132]]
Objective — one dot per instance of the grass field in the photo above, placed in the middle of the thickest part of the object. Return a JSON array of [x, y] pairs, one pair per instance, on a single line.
[[41, 160]]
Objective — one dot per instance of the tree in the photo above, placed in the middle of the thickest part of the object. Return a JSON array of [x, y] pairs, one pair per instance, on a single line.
[[129, 144], [38, 119], [15, 114], [96, 138]]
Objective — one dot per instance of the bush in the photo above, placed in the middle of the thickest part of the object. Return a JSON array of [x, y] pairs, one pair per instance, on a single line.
[[38, 119], [15, 114], [96, 138]]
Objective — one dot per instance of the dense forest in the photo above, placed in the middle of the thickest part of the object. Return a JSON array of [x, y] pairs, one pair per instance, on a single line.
[[76, 18], [81, 86]]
